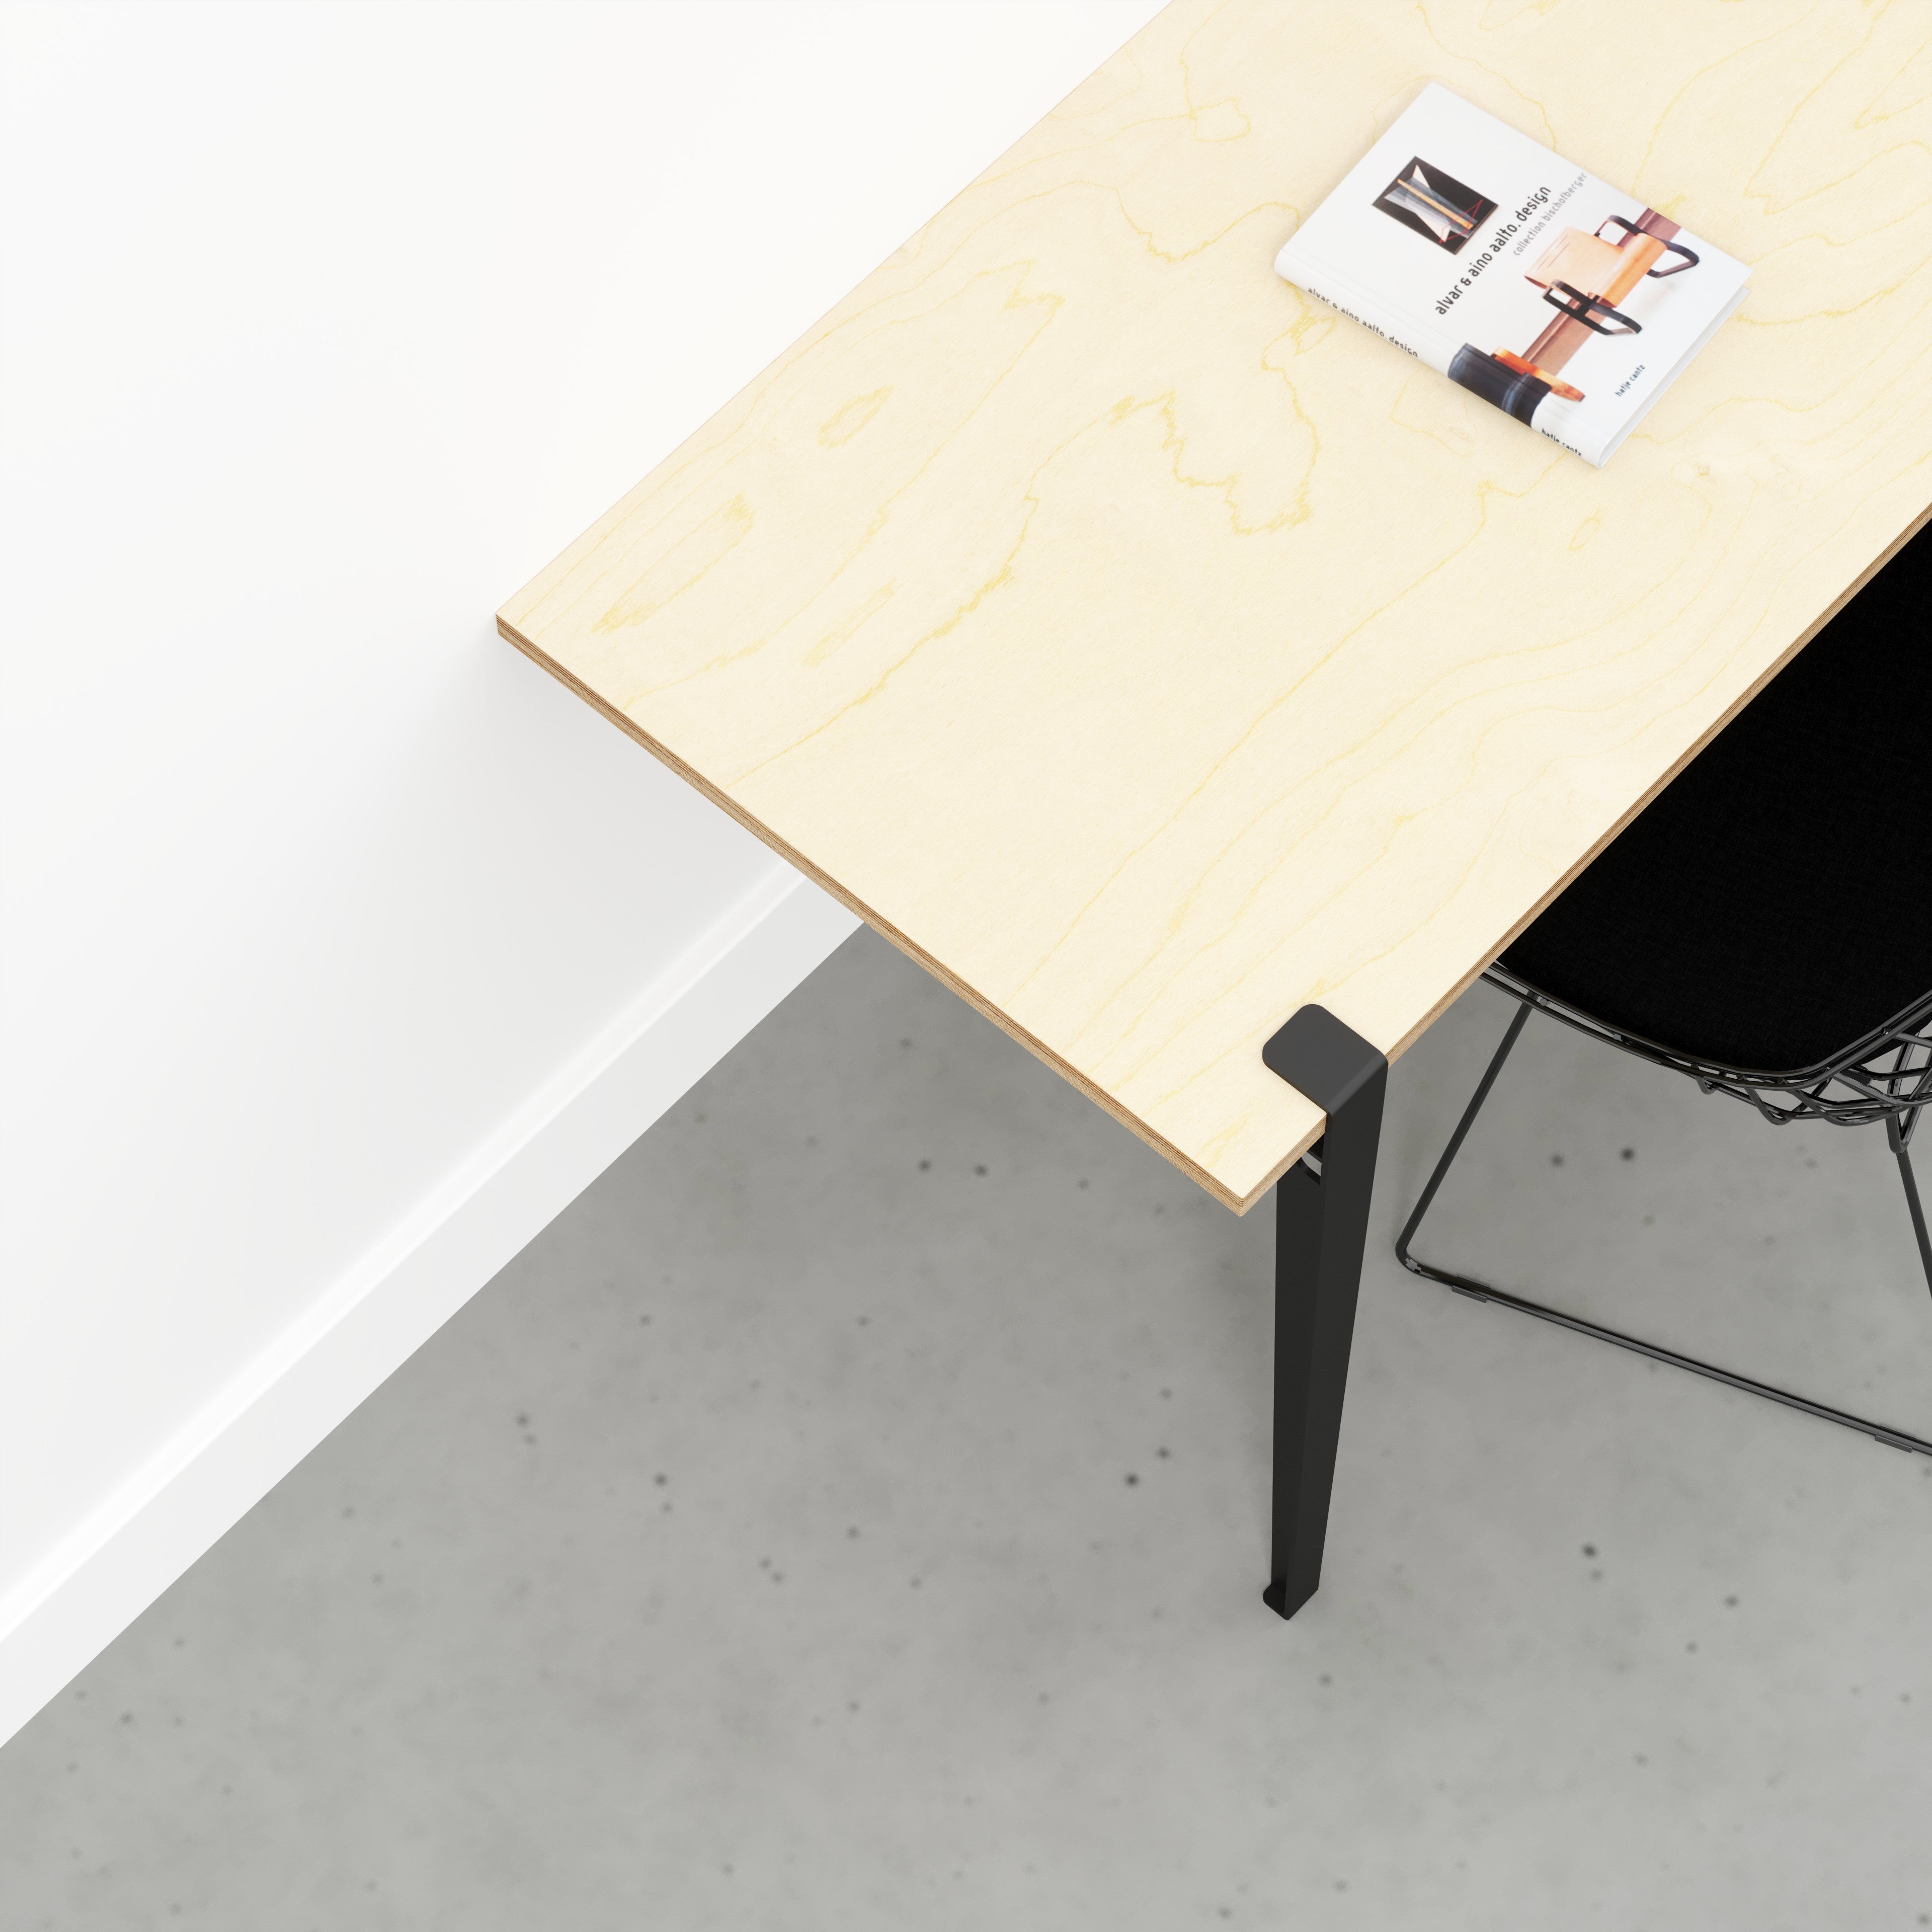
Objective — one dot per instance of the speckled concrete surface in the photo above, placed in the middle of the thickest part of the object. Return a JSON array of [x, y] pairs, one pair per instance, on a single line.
[[851, 1514]]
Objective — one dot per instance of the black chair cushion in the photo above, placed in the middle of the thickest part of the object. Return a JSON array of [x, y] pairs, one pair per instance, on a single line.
[[1773, 905]]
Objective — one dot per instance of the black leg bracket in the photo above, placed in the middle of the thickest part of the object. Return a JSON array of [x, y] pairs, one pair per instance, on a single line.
[[1321, 1209]]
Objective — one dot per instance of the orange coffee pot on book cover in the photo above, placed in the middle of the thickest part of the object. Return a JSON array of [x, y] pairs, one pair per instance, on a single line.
[[1583, 277]]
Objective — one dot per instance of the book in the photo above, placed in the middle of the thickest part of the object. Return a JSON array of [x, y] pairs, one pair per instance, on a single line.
[[1570, 306]]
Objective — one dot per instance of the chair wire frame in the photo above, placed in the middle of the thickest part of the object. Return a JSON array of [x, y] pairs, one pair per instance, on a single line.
[[1886, 1076]]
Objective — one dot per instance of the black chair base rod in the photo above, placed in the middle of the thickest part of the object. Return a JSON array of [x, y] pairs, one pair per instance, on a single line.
[[1897, 1141], [1895, 1439]]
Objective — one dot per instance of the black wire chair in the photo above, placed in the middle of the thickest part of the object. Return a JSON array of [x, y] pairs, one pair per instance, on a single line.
[[1771, 909]]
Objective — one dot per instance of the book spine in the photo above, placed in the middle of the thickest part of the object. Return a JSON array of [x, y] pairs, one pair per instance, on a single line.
[[1339, 293]]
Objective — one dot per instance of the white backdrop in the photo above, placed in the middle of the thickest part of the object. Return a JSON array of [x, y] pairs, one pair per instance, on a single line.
[[341, 947]]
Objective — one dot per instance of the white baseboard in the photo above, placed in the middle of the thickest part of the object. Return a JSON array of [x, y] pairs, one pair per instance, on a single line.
[[195, 1487]]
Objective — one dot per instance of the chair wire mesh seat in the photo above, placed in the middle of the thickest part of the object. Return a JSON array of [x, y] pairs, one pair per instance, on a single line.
[[1764, 927]]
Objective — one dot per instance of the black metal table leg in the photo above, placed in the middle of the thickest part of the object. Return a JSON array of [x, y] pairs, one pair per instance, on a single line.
[[1322, 1208]]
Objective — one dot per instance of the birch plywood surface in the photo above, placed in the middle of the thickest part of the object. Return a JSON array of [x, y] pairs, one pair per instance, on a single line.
[[1149, 650]]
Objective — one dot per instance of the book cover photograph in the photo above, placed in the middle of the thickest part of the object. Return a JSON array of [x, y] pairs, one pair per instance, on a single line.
[[1569, 305]]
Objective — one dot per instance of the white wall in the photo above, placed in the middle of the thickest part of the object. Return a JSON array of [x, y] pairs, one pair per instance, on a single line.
[[342, 947]]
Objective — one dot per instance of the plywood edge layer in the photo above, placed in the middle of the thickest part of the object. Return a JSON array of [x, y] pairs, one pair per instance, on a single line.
[[1201, 1176], [1194, 1171]]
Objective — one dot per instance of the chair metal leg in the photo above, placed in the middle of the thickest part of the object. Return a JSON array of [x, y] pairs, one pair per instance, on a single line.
[[1895, 1439], [1321, 1208], [1895, 1134]]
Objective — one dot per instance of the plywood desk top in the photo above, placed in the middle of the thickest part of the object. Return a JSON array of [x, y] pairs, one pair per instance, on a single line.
[[1149, 651]]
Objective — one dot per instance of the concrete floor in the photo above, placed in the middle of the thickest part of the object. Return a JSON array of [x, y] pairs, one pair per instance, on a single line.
[[851, 1514]]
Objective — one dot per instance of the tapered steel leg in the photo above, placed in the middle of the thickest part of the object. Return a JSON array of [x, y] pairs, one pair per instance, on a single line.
[[1321, 1209]]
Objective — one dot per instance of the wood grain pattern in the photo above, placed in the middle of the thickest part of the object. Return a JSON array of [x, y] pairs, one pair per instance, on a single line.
[[1149, 650]]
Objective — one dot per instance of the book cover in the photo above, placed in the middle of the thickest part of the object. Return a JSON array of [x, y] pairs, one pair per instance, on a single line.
[[1568, 305]]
